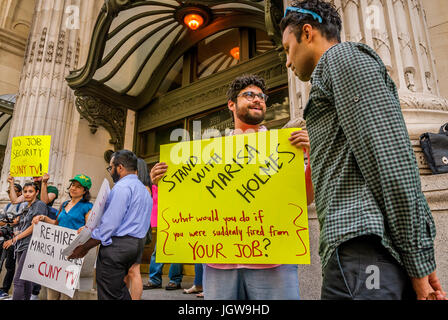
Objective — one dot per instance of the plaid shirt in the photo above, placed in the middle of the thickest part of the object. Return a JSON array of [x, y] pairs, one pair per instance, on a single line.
[[364, 171]]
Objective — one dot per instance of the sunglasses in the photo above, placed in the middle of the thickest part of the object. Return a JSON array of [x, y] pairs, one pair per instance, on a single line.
[[300, 10]]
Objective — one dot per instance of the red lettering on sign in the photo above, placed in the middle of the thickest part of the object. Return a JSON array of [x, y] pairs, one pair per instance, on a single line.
[[49, 271], [200, 251]]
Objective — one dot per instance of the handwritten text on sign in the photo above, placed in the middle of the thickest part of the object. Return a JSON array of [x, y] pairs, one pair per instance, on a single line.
[[237, 199], [44, 262], [30, 156]]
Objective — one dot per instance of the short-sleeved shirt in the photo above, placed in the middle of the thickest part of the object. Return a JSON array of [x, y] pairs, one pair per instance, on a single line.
[[26, 219], [51, 189], [75, 217]]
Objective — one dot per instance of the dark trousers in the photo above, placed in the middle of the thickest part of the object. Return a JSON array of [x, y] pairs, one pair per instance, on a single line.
[[22, 288], [113, 265], [36, 289], [10, 266], [362, 269]]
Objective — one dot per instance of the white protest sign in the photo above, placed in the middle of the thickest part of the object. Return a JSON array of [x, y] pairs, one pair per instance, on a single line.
[[94, 219], [44, 262]]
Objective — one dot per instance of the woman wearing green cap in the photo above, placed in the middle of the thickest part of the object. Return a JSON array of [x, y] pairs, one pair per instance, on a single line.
[[73, 214]]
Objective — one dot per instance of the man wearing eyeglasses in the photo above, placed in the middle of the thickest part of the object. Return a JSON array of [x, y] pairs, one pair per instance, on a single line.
[[125, 222], [377, 232], [247, 103]]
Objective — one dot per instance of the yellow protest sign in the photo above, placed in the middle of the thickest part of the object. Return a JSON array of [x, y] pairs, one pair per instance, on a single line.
[[236, 199], [30, 156]]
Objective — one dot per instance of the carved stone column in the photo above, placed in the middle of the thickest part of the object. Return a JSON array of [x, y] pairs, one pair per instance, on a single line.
[[45, 104]]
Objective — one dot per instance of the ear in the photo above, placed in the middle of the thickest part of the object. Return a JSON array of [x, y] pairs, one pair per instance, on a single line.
[[307, 32], [231, 105]]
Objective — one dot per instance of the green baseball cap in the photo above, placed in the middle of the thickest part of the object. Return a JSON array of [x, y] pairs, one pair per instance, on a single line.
[[83, 180]]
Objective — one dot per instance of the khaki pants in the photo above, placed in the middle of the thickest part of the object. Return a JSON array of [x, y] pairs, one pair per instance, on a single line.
[[56, 295]]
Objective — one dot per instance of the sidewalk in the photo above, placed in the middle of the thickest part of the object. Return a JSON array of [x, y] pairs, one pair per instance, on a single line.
[[87, 293], [162, 294]]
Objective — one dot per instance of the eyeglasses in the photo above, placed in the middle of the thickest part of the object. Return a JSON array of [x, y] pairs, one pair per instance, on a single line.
[[250, 96], [300, 10]]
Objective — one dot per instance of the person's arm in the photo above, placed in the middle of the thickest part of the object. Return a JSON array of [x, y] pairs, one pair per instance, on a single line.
[[157, 173], [154, 206], [45, 219], [82, 250], [44, 195], [12, 192], [300, 140], [86, 218], [369, 112], [27, 232], [309, 183]]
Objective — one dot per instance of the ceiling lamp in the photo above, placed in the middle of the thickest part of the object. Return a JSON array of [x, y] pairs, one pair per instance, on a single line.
[[235, 53], [194, 21], [193, 17]]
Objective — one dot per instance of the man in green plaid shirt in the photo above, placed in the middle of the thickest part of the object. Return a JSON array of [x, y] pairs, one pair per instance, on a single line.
[[376, 229]]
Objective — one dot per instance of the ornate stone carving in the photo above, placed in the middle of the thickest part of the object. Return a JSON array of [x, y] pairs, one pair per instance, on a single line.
[[296, 123], [426, 102], [33, 48], [273, 16], [68, 57], [60, 48], [169, 105], [380, 35], [77, 52], [98, 113], [114, 7], [351, 11], [40, 52], [50, 52]]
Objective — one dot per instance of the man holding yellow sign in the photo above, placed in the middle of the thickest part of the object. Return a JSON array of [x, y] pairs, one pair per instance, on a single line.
[[226, 186]]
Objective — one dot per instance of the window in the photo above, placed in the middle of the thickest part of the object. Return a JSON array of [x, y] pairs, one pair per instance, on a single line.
[[214, 54]]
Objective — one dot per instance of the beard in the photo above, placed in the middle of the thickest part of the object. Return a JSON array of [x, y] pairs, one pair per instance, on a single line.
[[115, 176], [245, 116]]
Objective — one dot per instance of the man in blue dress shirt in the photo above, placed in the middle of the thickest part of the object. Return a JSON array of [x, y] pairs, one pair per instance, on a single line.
[[125, 222]]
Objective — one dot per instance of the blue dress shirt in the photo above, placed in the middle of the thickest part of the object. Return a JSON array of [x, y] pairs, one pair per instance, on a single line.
[[127, 211]]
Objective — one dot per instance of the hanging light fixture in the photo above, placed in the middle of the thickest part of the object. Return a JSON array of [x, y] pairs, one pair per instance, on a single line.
[[193, 17], [235, 53], [194, 21]]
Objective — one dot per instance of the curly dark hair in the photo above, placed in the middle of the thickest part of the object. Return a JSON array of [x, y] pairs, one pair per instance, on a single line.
[[331, 21], [242, 82]]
